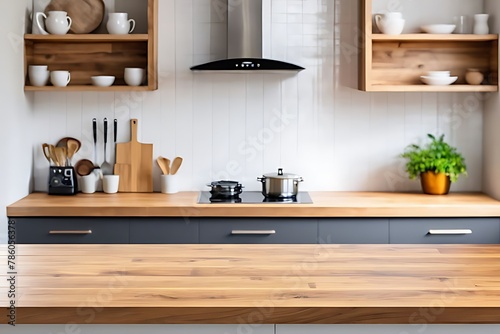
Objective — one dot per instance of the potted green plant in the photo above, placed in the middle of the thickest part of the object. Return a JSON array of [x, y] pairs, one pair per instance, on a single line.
[[437, 164]]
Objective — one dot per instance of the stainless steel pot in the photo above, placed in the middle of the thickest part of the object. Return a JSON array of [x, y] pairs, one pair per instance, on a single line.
[[225, 189], [280, 185]]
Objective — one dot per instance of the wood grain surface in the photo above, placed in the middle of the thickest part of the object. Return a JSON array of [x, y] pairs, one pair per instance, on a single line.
[[134, 163], [201, 284], [325, 204]]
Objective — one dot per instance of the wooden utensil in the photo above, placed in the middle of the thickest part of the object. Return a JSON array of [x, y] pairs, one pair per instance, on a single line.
[[46, 152], [61, 155], [84, 167], [175, 165], [134, 163], [72, 146], [87, 15], [164, 164], [53, 155]]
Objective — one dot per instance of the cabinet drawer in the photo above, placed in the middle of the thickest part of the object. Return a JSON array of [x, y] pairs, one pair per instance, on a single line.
[[164, 231], [72, 231], [258, 231], [445, 231], [353, 231]]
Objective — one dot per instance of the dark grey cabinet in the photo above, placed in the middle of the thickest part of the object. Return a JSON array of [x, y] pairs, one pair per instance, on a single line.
[[59, 230], [258, 231], [192, 230], [444, 231], [353, 231], [164, 231]]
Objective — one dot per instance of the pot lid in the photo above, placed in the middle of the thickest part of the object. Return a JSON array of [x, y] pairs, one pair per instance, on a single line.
[[225, 184], [281, 175]]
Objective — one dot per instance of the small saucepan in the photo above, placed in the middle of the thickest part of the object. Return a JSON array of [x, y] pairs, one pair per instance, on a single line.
[[225, 189], [280, 185]]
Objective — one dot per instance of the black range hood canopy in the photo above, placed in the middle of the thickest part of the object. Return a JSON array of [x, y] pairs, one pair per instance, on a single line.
[[246, 64], [245, 42]]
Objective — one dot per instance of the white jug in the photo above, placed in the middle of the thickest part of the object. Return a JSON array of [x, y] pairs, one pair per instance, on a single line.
[[57, 22], [391, 23], [119, 24], [481, 24]]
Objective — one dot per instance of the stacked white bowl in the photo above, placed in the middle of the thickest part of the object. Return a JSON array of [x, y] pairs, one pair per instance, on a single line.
[[438, 78]]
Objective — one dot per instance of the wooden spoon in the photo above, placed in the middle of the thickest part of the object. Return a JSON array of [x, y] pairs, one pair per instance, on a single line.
[[61, 155], [46, 152], [175, 165], [164, 164], [53, 155], [72, 148]]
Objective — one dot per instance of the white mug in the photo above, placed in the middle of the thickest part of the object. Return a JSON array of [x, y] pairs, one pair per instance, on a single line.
[[391, 23], [38, 75], [110, 183], [57, 22], [87, 184], [119, 24], [134, 76], [60, 78], [169, 184]]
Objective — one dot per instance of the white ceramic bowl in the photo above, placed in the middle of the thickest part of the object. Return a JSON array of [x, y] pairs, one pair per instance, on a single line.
[[103, 80], [438, 28], [438, 74], [438, 81]]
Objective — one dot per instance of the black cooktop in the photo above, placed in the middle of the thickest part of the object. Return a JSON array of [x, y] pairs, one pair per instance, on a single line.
[[253, 197]]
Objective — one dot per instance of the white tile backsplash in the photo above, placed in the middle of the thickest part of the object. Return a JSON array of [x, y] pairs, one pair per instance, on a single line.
[[239, 126]]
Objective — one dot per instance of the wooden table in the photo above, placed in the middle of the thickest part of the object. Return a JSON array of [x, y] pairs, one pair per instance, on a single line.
[[325, 204], [273, 284]]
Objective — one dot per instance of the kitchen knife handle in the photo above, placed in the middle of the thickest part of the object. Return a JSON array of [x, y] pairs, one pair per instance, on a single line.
[[105, 132], [252, 232], [94, 129], [115, 128], [76, 232], [450, 232]]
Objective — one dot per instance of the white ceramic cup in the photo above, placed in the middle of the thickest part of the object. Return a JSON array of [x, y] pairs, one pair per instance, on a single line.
[[60, 78], [39, 75], [390, 23], [57, 22], [134, 76], [119, 24], [169, 184], [87, 183], [110, 183], [391, 27]]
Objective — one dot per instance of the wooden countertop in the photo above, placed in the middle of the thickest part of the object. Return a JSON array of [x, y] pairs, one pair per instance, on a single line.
[[325, 204], [204, 284]]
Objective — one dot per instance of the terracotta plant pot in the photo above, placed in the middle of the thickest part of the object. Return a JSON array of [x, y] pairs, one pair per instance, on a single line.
[[435, 184]]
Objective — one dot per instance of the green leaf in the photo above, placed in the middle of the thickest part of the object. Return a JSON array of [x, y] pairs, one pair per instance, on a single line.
[[437, 156]]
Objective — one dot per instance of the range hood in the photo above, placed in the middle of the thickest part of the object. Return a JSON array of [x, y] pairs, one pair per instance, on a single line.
[[245, 49]]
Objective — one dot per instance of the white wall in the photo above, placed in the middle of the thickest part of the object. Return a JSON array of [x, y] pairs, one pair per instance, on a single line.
[[224, 126], [16, 132], [491, 134]]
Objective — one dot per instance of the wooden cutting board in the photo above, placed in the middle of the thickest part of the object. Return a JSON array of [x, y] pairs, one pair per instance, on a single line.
[[87, 15], [134, 163]]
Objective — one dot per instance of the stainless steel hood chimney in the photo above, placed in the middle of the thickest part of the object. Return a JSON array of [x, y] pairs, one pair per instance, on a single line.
[[244, 39]]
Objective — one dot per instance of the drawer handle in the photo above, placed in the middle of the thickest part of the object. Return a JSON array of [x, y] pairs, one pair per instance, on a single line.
[[78, 232], [450, 232], [253, 232]]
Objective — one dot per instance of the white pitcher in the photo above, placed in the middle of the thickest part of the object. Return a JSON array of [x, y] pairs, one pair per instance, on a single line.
[[57, 22], [391, 23], [119, 24]]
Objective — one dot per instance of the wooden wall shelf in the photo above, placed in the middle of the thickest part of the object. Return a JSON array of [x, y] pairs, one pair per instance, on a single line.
[[87, 55], [395, 63]]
